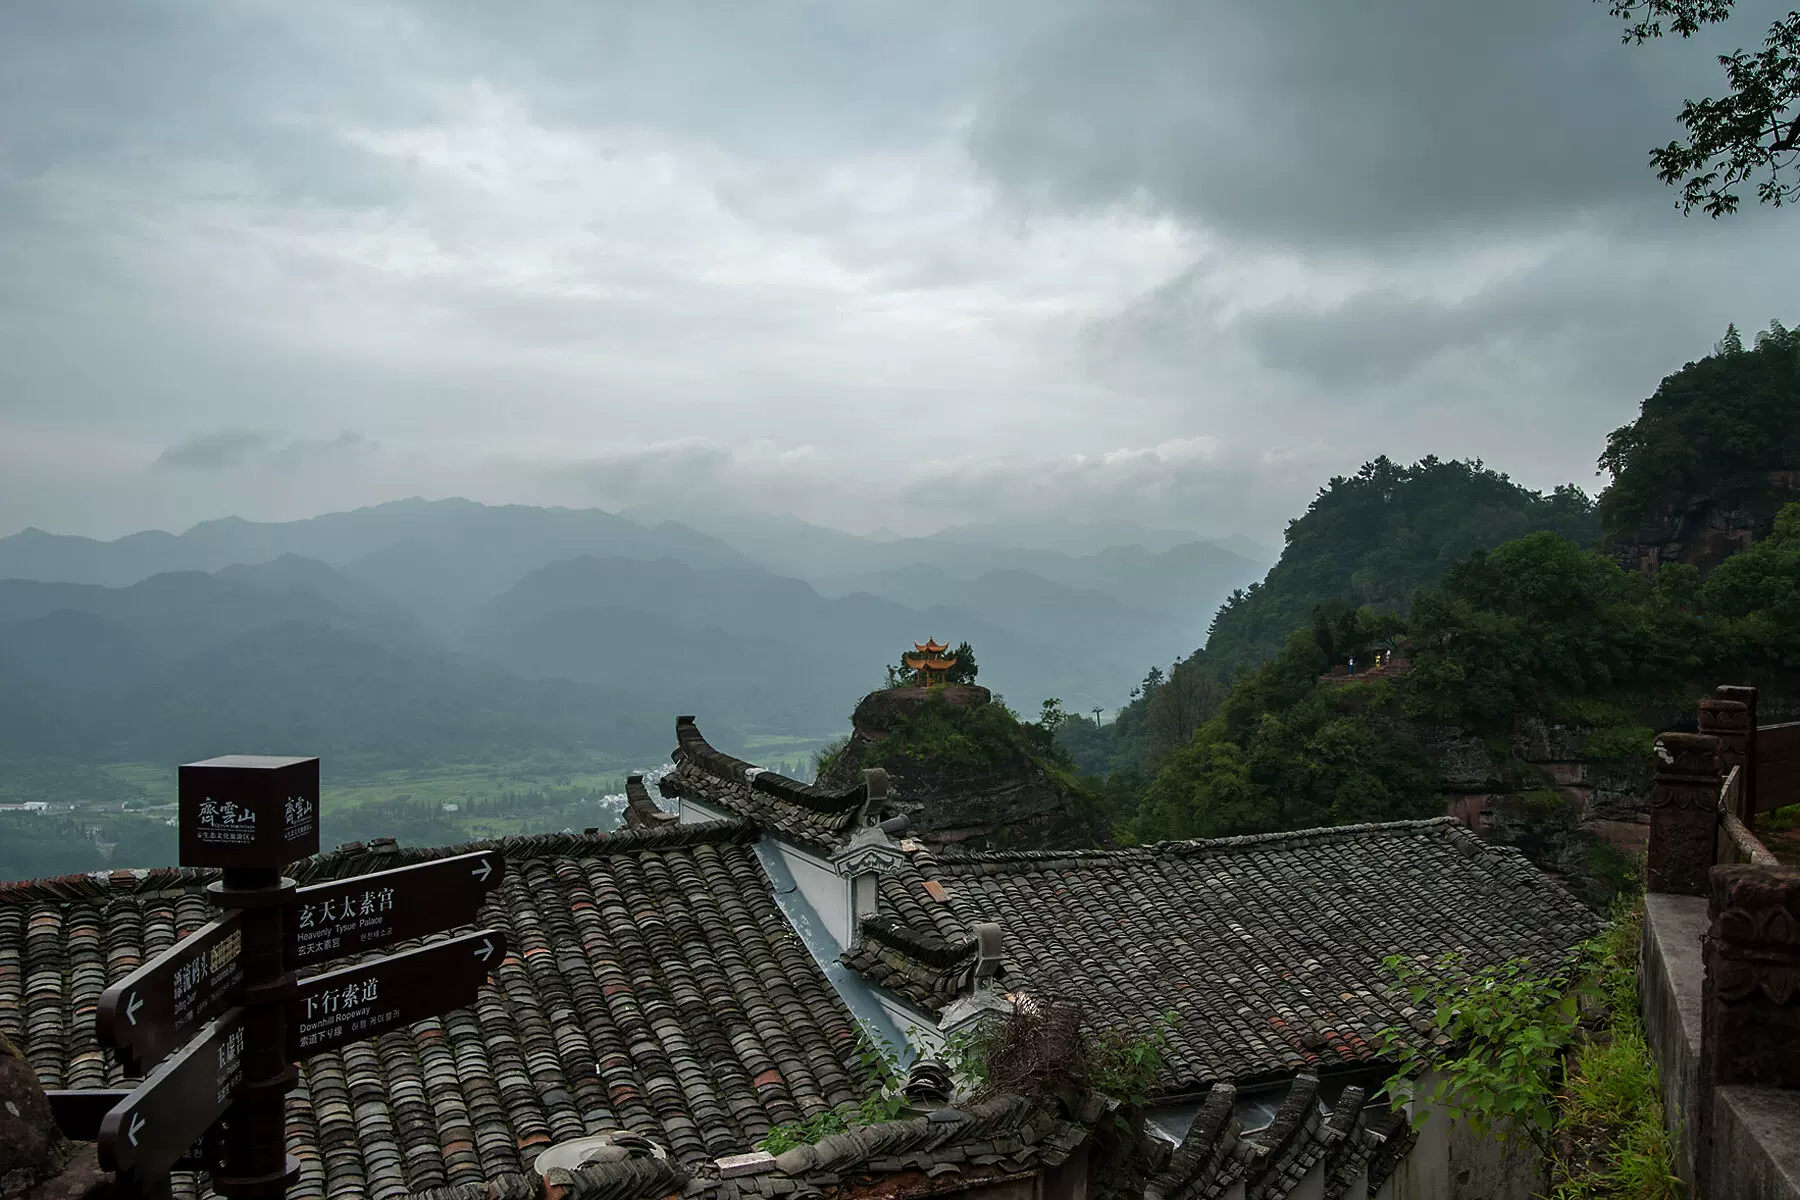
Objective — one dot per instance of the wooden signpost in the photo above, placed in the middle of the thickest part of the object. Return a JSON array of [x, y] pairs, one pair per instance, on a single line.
[[155, 1125], [220, 1019], [329, 1011], [153, 1011], [367, 912]]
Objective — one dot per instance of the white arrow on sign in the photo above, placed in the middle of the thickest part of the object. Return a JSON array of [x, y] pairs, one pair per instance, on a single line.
[[131, 1007], [136, 1127], [487, 950], [484, 870]]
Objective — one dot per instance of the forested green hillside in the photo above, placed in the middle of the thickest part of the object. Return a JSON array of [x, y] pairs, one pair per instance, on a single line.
[[1506, 603], [1714, 430], [1370, 540], [1374, 537], [1537, 625]]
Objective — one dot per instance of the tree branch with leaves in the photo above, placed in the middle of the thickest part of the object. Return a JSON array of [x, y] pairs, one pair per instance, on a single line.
[[1751, 133]]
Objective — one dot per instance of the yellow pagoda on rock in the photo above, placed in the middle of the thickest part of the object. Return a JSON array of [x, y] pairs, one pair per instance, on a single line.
[[929, 664]]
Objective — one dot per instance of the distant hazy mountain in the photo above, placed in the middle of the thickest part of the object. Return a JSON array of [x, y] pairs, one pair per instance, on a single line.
[[697, 630], [1068, 537], [182, 612], [1186, 581], [79, 685], [1031, 604], [425, 629], [511, 534], [1182, 586]]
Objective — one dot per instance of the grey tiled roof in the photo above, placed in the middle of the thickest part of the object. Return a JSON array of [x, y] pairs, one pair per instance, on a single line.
[[1267, 949], [821, 819], [650, 985]]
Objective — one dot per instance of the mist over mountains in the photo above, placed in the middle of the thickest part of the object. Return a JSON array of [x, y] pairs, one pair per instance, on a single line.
[[450, 630]]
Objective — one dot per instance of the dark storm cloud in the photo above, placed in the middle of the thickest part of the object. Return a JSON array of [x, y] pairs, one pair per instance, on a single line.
[[1321, 122], [881, 263]]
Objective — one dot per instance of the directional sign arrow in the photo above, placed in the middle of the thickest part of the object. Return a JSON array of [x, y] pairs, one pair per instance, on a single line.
[[372, 912], [332, 1010], [146, 1133], [153, 1011]]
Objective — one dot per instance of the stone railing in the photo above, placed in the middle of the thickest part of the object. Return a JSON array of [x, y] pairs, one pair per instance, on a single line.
[[1721, 960]]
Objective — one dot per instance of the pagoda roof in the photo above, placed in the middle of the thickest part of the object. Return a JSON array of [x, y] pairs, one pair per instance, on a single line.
[[923, 662], [930, 647]]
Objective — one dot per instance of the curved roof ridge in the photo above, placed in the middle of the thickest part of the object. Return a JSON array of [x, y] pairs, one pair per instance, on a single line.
[[378, 855], [1194, 847], [359, 858], [691, 744], [92, 885]]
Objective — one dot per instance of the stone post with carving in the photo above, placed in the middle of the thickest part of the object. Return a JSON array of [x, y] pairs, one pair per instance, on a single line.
[[1729, 721], [1684, 814], [1750, 1005], [1747, 697]]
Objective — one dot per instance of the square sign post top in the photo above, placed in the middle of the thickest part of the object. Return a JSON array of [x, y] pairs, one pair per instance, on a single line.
[[249, 811]]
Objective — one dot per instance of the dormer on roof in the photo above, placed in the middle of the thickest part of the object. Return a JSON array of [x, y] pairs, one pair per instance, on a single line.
[[871, 854]]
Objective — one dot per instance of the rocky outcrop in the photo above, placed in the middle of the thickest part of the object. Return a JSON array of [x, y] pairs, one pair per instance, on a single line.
[[1706, 530], [1014, 805], [36, 1161], [32, 1149], [1540, 789], [881, 712]]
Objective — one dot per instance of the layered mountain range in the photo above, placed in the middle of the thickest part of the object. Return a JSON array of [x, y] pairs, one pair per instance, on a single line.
[[449, 630]]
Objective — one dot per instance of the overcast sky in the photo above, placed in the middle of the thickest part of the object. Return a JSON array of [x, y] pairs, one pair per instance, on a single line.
[[901, 264]]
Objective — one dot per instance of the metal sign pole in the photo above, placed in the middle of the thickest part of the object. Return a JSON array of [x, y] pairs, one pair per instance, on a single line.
[[257, 1164]]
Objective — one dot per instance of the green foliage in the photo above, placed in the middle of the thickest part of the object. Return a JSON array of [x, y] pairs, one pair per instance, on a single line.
[[1610, 1136], [38, 845], [1124, 1063], [962, 737], [1520, 1061], [1038, 1050], [1373, 538], [1755, 598], [1288, 751], [1539, 622], [1536, 626], [1713, 428], [881, 1064], [826, 757], [1619, 743], [965, 669], [871, 1110], [965, 1052], [1507, 1026], [1752, 131]]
